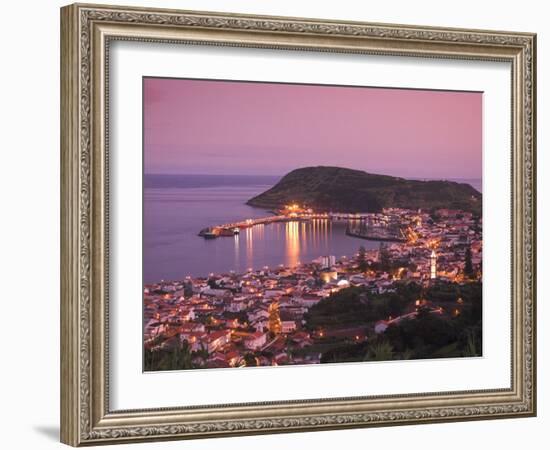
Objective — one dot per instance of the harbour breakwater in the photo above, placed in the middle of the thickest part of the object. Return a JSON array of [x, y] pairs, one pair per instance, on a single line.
[[371, 226]]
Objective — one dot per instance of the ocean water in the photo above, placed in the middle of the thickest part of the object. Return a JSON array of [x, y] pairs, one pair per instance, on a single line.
[[177, 207]]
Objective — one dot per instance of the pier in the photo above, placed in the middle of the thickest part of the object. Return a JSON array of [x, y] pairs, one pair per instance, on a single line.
[[373, 226], [231, 229]]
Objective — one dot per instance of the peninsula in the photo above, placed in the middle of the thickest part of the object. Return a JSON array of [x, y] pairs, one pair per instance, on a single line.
[[346, 190]]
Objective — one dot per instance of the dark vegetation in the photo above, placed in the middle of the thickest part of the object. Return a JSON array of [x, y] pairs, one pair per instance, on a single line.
[[356, 306], [174, 357], [454, 332], [347, 190]]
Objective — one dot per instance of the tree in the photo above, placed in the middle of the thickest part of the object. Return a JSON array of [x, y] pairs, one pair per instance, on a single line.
[[151, 359], [471, 348], [381, 351], [181, 357], [343, 308], [250, 360], [362, 259], [201, 353], [468, 267]]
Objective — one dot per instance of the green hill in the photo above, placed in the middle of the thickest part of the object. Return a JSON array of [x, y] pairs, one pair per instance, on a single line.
[[347, 190]]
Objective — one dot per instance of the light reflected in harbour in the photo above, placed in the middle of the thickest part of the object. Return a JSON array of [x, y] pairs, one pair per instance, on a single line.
[[292, 244], [249, 246], [236, 250], [172, 248], [285, 243], [318, 233], [304, 235], [300, 237], [314, 227]]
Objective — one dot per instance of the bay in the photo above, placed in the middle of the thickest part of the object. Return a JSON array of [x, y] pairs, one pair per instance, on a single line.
[[177, 207]]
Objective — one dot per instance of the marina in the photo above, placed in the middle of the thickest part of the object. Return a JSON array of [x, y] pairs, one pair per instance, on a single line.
[[369, 226], [178, 208], [175, 216]]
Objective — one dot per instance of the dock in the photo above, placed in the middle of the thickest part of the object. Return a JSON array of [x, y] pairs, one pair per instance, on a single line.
[[373, 226]]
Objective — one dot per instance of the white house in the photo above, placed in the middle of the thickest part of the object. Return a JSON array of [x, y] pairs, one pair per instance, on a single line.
[[308, 300], [260, 324], [288, 326], [218, 293], [217, 339], [257, 314], [255, 341], [238, 304]]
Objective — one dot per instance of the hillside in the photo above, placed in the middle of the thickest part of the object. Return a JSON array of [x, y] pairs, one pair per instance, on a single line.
[[347, 190]]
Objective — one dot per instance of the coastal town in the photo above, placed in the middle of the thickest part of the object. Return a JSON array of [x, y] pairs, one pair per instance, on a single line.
[[267, 316]]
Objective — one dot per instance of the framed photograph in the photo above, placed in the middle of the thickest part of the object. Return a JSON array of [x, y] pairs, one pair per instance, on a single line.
[[275, 224]]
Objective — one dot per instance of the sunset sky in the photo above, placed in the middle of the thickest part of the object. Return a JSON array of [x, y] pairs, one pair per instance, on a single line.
[[223, 127]]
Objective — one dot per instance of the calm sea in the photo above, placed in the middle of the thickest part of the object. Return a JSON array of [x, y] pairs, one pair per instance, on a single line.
[[177, 207]]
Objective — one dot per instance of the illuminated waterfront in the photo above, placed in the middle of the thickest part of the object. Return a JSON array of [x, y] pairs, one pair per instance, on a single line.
[[329, 309], [177, 207], [173, 250], [228, 285]]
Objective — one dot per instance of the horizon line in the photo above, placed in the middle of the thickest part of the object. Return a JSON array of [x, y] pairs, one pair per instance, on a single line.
[[282, 175]]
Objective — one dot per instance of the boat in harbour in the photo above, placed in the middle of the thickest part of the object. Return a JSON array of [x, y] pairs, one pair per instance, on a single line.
[[208, 233]]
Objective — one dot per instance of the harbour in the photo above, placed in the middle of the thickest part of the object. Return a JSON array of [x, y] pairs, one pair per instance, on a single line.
[[174, 217], [177, 209], [369, 226]]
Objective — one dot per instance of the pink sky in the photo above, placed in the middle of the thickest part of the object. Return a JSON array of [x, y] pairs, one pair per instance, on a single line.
[[223, 127]]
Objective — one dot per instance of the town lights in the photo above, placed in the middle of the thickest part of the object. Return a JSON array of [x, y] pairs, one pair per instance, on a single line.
[[201, 314]]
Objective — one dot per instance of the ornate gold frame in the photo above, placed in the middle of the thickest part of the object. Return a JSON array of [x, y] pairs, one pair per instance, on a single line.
[[86, 31]]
